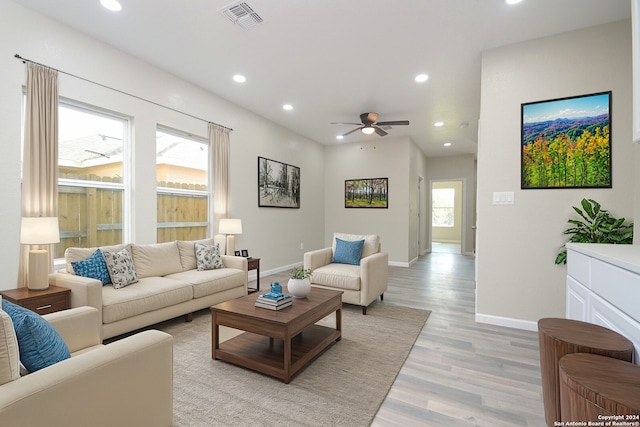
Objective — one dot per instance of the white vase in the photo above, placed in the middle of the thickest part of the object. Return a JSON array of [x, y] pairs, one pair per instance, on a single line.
[[299, 288]]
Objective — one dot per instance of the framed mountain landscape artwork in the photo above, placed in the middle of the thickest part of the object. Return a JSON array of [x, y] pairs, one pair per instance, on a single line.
[[566, 142]]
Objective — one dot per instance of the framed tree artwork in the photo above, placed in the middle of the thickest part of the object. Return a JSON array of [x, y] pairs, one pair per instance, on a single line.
[[366, 193], [278, 184], [566, 142]]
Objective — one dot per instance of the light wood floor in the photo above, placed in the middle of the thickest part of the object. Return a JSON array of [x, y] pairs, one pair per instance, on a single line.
[[459, 372]]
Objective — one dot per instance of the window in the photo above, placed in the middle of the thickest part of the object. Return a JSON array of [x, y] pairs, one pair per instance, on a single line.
[[182, 185], [442, 207], [91, 184]]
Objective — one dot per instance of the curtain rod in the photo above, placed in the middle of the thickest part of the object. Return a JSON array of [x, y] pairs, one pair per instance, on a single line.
[[24, 60]]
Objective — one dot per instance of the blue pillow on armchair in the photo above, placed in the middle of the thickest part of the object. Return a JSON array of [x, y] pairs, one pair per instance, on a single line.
[[39, 343], [348, 252]]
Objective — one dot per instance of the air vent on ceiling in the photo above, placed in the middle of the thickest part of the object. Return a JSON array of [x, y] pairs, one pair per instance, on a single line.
[[242, 15]]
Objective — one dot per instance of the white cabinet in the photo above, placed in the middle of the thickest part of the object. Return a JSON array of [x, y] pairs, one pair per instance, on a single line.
[[603, 287]]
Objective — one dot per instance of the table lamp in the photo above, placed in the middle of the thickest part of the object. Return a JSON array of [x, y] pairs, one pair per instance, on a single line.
[[230, 227], [39, 231]]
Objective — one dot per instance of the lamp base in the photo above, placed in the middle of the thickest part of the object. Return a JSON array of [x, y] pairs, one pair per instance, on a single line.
[[38, 278], [231, 244]]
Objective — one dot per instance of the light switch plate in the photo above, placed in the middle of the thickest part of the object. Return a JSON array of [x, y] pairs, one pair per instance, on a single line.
[[503, 198]]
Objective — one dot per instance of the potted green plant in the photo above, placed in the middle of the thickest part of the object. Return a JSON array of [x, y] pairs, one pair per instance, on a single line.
[[595, 226], [299, 284]]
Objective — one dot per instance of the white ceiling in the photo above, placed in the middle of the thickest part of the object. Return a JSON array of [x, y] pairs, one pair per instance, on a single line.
[[335, 59]]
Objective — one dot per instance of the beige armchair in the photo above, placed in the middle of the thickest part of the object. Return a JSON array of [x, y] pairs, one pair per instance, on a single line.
[[362, 283], [126, 383]]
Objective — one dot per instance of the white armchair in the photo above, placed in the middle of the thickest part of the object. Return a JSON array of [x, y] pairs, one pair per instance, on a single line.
[[362, 283], [126, 383]]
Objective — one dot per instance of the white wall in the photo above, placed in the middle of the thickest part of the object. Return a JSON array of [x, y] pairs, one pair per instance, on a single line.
[[517, 281], [42, 40], [380, 158]]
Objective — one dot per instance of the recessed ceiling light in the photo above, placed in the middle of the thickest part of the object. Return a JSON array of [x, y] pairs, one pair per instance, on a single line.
[[513, 1], [422, 78], [447, 144], [112, 5], [438, 124], [287, 107], [339, 137], [239, 78]]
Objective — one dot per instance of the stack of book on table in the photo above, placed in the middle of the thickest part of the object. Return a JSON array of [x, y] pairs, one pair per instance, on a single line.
[[274, 301]]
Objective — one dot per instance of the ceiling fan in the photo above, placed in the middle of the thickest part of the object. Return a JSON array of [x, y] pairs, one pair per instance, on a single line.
[[369, 125]]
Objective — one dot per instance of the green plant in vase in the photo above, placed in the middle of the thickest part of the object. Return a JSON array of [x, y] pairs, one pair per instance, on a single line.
[[595, 226], [299, 284]]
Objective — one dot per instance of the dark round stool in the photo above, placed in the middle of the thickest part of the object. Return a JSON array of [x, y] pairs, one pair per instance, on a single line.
[[558, 337], [592, 385]]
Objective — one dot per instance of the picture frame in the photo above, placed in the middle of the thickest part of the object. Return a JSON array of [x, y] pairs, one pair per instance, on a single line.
[[236, 253], [367, 193], [245, 253], [635, 55], [566, 142], [278, 184]]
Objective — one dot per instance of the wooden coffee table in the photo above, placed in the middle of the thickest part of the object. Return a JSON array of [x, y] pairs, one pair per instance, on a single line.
[[276, 343]]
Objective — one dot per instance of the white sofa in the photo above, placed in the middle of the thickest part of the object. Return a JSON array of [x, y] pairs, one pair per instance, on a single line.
[[361, 284], [168, 285], [126, 383]]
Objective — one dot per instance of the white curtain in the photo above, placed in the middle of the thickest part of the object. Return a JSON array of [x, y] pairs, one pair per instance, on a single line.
[[40, 155], [219, 148]]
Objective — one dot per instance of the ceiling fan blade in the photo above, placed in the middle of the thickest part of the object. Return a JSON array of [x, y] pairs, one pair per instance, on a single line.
[[394, 123], [380, 131], [352, 131], [345, 123]]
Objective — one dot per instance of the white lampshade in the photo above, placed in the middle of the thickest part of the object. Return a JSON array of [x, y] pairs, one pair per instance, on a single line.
[[39, 230], [230, 226], [42, 230]]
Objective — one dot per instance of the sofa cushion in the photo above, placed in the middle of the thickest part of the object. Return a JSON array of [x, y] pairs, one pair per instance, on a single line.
[[149, 294], [188, 252], [40, 345], [156, 260], [78, 254], [340, 276], [208, 257], [9, 354], [94, 267], [121, 268], [347, 252], [371, 242], [207, 282]]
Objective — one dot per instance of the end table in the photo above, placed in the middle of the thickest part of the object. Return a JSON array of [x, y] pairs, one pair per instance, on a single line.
[[45, 301], [254, 264]]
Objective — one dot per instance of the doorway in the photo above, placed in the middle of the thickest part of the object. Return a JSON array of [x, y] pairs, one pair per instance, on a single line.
[[447, 216]]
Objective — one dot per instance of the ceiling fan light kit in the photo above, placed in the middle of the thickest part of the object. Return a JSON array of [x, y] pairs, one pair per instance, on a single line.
[[369, 124]]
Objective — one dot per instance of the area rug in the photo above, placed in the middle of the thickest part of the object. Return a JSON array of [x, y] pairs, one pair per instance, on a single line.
[[345, 385]]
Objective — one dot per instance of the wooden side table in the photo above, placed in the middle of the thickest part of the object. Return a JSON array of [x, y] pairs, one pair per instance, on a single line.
[[254, 264], [45, 301], [559, 337], [593, 385]]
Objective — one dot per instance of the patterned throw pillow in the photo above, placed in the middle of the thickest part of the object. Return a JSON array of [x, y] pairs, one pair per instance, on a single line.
[[94, 267], [208, 257], [39, 343], [348, 252], [121, 268]]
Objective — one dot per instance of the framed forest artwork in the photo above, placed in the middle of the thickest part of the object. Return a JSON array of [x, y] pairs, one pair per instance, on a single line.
[[566, 142], [278, 184], [366, 193]]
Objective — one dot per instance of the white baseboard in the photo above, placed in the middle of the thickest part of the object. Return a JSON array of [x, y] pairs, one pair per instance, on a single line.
[[508, 322], [399, 264], [263, 273]]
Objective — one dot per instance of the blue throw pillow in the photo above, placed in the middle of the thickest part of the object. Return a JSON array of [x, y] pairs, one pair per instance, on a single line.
[[39, 343], [348, 252], [94, 267]]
